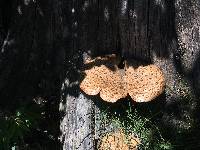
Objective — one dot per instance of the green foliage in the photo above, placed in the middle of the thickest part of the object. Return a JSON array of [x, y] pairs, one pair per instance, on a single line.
[[14, 127], [143, 128]]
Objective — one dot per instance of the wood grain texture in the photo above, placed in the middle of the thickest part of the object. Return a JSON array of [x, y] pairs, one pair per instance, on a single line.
[[47, 39], [141, 30]]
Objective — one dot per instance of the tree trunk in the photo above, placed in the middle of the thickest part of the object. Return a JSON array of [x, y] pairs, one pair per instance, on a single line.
[[42, 46], [143, 30]]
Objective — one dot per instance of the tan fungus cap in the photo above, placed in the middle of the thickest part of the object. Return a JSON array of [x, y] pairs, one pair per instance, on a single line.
[[143, 84], [118, 141], [104, 81]]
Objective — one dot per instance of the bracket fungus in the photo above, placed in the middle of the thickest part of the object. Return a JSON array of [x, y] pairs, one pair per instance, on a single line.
[[143, 84], [118, 141]]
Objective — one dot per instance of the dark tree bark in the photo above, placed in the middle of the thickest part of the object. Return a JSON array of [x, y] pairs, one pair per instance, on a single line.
[[144, 30], [31, 58], [42, 45]]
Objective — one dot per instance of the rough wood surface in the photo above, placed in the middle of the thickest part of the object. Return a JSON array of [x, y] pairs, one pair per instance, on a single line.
[[51, 36], [142, 30]]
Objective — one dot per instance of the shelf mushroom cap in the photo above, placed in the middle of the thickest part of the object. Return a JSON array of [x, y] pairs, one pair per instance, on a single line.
[[100, 79], [144, 83], [92, 83], [113, 88], [118, 141]]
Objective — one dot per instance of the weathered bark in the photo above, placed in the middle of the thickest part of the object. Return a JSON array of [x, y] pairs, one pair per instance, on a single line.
[[188, 32], [32, 45], [142, 30], [31, 57], [44, 37]]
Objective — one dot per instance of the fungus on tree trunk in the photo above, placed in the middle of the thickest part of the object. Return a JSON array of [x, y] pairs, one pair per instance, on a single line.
[[118, 141], [103, 76], [144, 83]]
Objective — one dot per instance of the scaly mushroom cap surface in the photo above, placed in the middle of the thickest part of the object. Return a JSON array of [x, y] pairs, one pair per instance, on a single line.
[[92, 83], [144, 83], [104, 81], [113, 88], [118, 141]]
